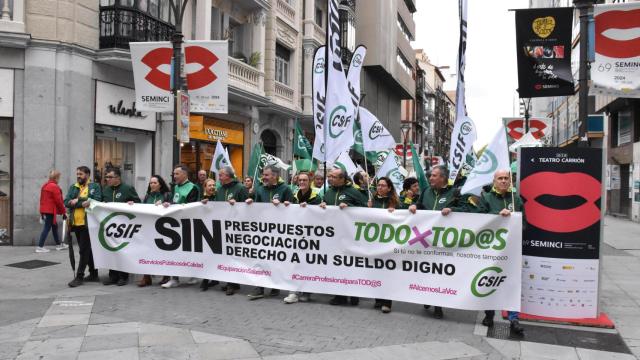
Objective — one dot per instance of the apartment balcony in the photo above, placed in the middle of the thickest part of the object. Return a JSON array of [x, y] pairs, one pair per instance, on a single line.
[[121, 25], [286, 12], [246, 77], [12, 23], [284, 96]]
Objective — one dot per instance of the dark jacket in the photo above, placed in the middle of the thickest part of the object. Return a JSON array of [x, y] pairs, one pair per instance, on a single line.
[[192, 193], [121, 193], [233, 190], [95, 193], [51, 199], [313, 199], [152, 197], [407, 201], [379, 202], [438, 199], [344, 194], [279, 191], [492, 202]]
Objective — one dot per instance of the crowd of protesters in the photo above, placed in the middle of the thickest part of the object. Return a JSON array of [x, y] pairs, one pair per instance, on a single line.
[[306, 189]]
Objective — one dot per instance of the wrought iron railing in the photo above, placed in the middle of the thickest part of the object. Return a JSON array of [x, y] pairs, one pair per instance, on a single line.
[[121, 25]]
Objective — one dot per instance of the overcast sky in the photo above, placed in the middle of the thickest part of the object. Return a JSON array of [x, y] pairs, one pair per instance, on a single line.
[[491, 72]]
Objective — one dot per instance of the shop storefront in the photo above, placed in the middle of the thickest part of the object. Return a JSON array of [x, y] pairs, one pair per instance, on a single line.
[[124, 136], [6, 156], [204, 133]]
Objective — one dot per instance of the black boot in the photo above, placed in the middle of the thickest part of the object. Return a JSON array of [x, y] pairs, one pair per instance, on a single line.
[[92, 277], [437, 312], [488, 318], [516, 328], [76, 282], [204, 285]]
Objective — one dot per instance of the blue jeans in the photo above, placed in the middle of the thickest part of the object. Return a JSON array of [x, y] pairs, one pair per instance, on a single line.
[[511, 315], [49, 225]]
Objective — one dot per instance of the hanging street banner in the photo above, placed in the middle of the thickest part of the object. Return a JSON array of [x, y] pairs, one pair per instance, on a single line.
[[319, 101], [464, 130], [206, 68], [340, 110], [616, 70], [543, 42], [463, 261], [540, 128], [184, 115], [494, 157], [562, 193]]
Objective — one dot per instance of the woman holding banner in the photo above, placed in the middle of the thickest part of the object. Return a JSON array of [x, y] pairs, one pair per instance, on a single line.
[[385, 197]]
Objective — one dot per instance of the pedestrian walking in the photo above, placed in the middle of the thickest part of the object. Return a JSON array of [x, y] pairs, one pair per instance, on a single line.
[[77, 200], [51, 205], [158, 192], [119, 192]]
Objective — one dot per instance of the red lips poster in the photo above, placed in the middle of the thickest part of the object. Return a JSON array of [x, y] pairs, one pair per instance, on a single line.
[[616, 70], [562, 190]]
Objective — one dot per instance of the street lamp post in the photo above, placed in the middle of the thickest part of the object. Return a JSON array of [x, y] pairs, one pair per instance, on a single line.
[[405, 127], [178, 7], [583, 78]]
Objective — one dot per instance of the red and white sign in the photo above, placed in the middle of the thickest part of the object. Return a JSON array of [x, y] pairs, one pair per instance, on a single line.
[[207, 71], [399, 152], [435, 160], [539, 127], [616, 70]]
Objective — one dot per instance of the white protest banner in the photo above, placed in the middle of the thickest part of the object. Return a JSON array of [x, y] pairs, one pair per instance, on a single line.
[[151, 63], [616, 70], [425, 258], [207, 71], [494, 157], [375, 137], [319, 98], [220, 159], [393, 171], [339, 106], [464, 130], [353, 77]]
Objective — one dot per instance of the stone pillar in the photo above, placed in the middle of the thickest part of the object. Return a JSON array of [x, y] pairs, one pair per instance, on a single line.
[[203, 20]]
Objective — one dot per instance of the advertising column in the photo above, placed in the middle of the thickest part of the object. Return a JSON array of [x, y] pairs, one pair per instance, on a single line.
[[562, 191]]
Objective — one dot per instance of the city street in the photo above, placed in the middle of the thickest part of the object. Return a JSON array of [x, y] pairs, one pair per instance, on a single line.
[[42, 318]]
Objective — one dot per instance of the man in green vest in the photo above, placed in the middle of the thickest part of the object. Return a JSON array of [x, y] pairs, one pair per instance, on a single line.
[[439, 196], [184, 192], [77, 201], [343, 194], [273, 190]]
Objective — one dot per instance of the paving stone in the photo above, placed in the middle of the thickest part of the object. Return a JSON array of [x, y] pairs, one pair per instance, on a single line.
[[202, 337], [588, 354], [169, 336], [508, 349], [49, 347], [9, 350], [169, 352], [227, 351], [111, 341], [56, 332], [114, 328], [119, 354], [19, 331], [61, 320], [546, 351]]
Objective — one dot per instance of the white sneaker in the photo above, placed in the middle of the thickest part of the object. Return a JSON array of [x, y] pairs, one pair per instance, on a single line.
[[62, 246], [171, 284], [193, 281], [291, 298], [42, 249]]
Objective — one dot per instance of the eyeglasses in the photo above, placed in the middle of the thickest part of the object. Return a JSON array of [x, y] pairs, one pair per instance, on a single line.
[[111, 177]]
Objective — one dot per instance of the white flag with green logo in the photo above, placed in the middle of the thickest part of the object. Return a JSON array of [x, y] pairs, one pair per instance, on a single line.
[[375, 137], [393, 171], [220, 159], [340, 110], [494, 157], [267, 159], [319, 101], [345, 163]]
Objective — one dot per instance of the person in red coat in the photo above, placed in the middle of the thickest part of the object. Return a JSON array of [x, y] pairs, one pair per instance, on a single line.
[[51, 204]]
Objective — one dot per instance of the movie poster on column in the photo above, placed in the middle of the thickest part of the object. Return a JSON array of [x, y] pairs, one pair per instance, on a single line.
[[543, 41], [207, 71], [616, 70], [562, 194]]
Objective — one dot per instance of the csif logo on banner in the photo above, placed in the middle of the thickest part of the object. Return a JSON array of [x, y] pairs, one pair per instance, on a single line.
[[376, 130], [339, 121], [487, 281], [487, 164], [117, 231], [459, 151]]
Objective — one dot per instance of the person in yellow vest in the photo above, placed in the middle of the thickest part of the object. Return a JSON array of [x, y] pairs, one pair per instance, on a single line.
[[76, 201]]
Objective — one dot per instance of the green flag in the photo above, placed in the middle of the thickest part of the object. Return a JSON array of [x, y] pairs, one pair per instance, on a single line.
[[254, 162], [422, 178], [305, 165], [301, 146]]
